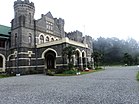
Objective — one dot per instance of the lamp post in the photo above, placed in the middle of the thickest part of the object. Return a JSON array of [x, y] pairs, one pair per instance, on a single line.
[[35, 45]]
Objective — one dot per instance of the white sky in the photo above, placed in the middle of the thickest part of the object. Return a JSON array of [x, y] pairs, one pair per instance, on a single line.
[[106, 18]]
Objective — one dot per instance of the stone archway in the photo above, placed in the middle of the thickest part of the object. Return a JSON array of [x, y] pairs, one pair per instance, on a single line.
[[2, 62], [84, 59], [50, 59], [77, 58]]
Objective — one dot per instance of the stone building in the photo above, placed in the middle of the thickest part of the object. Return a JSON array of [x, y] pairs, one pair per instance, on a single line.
[[31, 44]]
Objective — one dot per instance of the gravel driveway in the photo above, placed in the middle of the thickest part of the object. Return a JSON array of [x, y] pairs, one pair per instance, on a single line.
[[115, 85]]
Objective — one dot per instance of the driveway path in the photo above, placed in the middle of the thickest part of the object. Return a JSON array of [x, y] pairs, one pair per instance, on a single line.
[[115, 85]]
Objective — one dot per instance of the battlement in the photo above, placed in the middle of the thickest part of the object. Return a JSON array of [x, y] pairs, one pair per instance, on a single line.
[[60, 21], [20, 2]]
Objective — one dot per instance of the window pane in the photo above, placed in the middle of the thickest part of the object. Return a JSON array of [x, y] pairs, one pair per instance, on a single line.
[[2, 43]]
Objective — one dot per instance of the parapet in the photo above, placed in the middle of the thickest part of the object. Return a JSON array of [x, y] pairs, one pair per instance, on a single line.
[[24, 2]]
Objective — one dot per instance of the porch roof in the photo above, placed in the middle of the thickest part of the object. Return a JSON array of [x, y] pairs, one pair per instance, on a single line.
[[63, 40]]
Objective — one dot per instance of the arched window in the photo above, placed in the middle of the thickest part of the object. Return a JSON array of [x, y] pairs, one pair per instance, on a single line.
[[41, 39], [29, 17], [56, 39], [47, 39], [52, 39], [77, 58]]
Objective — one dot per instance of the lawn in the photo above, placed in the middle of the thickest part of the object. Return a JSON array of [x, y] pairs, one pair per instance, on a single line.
[[3, 76], [81, 73], [137, 76]]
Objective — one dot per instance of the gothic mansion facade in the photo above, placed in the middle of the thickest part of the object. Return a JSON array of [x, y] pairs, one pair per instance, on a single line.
[[37, 44]]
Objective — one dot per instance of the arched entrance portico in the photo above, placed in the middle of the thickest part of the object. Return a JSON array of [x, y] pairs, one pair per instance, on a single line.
[[50, 60]]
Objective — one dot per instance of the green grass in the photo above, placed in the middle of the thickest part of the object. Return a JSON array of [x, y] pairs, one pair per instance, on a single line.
[[137, 76], [3, 76], [64, 74], [82, 73]]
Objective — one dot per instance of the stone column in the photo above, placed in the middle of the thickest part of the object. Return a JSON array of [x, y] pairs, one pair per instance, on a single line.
[[85, 62], [80, 63], [74, 60]]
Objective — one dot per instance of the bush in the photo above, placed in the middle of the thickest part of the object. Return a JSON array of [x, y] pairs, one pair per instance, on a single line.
[[98, 68], [30, 71], [70, 65], [51, 73], [73, 71], [33, 72], [59, 71], [4, 75]]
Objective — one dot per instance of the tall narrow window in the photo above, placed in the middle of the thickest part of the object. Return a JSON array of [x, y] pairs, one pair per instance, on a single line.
[[29, 17], [41, 39], [15, 39], [29, 39]]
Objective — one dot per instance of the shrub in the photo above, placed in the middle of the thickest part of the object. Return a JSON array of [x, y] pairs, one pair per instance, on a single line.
[[33, 72], [30, 71], [51, 73], [59, 71], [73, 71], [70, 65], [98, 68]]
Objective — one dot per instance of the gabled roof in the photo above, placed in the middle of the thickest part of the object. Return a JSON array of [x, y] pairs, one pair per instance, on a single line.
[[49, 15], [4, 30]]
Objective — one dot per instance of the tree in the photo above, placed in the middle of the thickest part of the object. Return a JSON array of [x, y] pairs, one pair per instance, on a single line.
[[128, 59], [68, 52], [114, 48], [97, 57]]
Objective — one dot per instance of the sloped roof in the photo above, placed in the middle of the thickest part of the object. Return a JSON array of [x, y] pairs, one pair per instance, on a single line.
[[49, 15], [4, 30]]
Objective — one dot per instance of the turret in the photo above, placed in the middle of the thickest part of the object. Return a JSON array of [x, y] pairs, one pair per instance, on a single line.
[[23, 13], [23, 24], [61, 23]]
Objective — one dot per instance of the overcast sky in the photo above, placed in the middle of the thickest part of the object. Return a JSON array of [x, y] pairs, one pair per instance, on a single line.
[[106, 18]]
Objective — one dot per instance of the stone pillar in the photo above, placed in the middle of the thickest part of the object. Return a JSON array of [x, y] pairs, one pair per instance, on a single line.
[[85, 62], [74, 60], [80, 63]]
